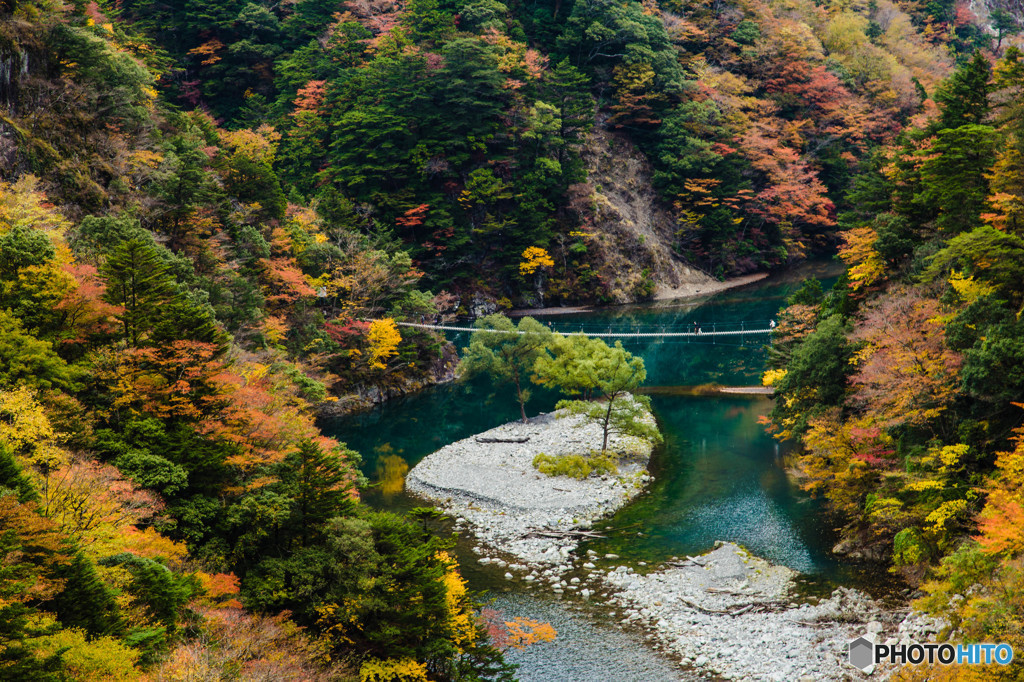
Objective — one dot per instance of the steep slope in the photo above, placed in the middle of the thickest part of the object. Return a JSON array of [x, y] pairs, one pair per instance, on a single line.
[[167, 501], [903, 383], [633, 232], [212, 214]]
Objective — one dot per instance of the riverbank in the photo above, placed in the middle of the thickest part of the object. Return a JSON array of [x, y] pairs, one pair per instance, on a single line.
[[708, 390], [368, 396], [695, 289], [726, 613], [662, 292], [489, 482], [729, 614]]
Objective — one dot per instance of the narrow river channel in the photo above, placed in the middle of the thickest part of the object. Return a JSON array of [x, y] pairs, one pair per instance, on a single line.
[[717, 477]]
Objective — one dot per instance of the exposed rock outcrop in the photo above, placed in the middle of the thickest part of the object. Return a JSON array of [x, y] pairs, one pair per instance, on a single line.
[[633, 230], [365, 396]]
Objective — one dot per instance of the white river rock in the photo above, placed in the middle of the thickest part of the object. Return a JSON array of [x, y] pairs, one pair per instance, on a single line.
[[729, 614]]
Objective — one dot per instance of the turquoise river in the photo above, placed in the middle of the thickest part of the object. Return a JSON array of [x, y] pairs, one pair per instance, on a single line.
[[718, 476]]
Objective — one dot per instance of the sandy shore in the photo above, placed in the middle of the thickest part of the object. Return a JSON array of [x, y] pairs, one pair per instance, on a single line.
[[691, 290]]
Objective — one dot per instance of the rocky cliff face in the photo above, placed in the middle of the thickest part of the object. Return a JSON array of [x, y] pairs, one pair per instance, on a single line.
[[633, 230]]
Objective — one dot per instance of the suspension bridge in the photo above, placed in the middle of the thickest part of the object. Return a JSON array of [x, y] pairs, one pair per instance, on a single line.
[[697, 331]]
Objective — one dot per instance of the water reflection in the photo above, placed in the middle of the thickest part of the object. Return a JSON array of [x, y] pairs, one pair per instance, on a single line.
[[585, 650], [391, 471], [720, 477]]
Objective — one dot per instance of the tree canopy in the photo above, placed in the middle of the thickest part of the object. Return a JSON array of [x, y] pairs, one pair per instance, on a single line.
[[589, 366], [507, 352]]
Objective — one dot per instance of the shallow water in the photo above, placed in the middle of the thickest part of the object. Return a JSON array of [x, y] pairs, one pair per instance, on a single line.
[[585, 648], [719, 476]]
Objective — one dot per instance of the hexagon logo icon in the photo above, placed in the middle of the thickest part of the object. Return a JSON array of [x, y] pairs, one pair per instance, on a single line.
[[862, 653]]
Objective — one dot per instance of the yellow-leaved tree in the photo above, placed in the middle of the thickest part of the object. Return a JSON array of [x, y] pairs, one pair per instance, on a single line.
[[858, 252], [392, 670], [383, 338], [535, 261], [535, 258], [1001, 523]]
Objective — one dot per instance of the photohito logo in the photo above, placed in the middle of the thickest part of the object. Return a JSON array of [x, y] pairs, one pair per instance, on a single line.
[[864, 653]]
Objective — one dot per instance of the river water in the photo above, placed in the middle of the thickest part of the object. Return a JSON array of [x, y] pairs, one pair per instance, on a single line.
[[717, 477]]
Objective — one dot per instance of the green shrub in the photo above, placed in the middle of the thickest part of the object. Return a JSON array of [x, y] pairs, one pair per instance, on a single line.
[[576, 466], [909, 548]]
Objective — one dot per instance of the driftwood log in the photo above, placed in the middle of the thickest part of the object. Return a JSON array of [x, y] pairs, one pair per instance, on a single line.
[[739, 609], [561, 534], [485, 439]]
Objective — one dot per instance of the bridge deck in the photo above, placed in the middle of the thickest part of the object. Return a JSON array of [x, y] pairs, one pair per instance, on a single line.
[[613, 335]]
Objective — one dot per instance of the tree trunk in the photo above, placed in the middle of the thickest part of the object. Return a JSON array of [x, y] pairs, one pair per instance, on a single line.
[[519, 397], [607, 419]]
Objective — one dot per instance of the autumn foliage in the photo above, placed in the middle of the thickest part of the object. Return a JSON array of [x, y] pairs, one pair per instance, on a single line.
[[517, 633], [914, 440], [215, 219]]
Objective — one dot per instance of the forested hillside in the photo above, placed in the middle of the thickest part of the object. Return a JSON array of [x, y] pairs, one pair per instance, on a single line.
[[455, 130], [904, 382], [202, 204]]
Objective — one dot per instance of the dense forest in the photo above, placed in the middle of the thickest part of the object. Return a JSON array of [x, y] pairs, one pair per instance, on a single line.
[[202, 204], [904, 382]]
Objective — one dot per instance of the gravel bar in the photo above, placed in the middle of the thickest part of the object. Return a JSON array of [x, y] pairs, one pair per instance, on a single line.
[[722, 615], [494, 487]]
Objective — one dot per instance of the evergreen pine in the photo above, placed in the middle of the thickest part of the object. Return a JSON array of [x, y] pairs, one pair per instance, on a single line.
[[138, 281], [12, 479], [86, 602], [964, 97], [317, 483]]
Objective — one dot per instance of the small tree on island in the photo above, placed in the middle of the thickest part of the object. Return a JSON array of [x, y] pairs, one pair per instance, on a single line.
[[507, 354], [579, 365]]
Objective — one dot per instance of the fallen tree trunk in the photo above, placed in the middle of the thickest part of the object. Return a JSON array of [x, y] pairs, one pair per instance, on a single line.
[[739, 609], [562, 534]]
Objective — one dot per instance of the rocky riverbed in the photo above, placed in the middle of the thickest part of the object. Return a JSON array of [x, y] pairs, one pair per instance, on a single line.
[[730, 614], [723, 615], [489, 482]]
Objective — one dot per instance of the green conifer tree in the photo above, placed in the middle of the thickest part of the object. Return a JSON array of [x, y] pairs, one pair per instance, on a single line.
[[86, 602], [579, 365], [138, 281], [964, 96]]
